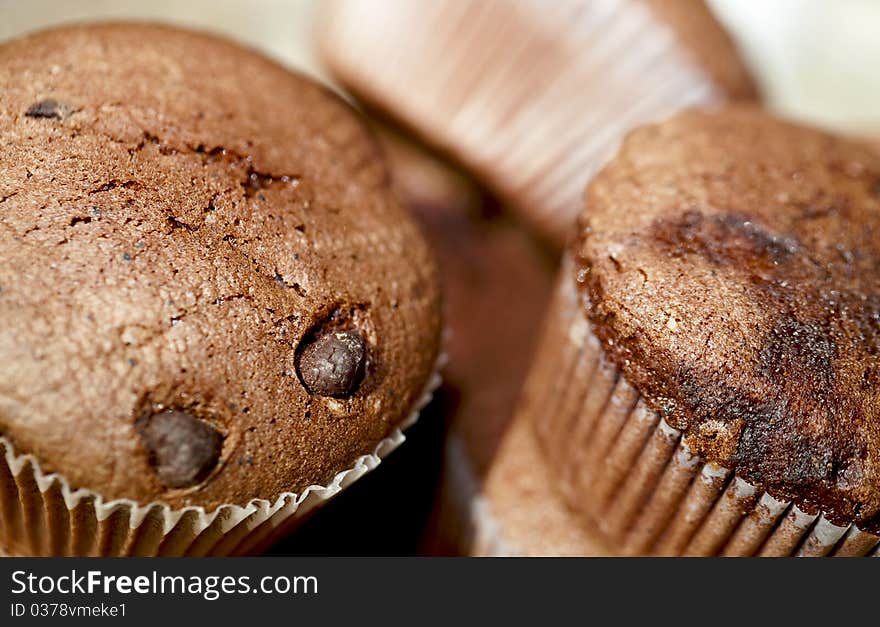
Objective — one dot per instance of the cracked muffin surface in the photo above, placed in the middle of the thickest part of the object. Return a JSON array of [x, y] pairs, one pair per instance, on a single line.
[[183, 225], [731, 267]]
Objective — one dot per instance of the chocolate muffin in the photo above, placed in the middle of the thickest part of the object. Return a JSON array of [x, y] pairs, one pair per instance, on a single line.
[[210, 298], [531, 96], [717, 327]]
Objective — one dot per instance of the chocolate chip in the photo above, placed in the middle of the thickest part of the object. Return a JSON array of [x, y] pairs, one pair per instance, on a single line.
[[333, 364], [48, 108], [183, 449]]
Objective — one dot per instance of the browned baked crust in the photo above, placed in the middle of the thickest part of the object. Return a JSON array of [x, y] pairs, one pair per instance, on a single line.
[[177, 214], [731, 262]]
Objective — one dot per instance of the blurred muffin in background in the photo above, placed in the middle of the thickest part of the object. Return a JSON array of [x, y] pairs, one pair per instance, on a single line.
[[496, 281], [532, 96]]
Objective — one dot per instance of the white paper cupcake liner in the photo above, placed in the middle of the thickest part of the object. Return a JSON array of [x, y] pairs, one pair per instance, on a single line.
[[41, 514], [533, 96], [632, 476]]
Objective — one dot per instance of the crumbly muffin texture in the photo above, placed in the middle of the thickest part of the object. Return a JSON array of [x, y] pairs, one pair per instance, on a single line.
[[186, 231], [730, 263]]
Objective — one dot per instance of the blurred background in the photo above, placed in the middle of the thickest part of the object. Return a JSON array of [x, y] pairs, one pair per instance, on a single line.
[[816, 59]]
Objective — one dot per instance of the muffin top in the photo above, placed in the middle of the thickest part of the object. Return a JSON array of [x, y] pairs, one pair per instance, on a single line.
[[207, 289], [731, 267]]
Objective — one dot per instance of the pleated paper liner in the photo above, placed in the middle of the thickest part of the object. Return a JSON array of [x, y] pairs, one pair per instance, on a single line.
[[630, 475], [514, 511], [533, 96], [41, 514]]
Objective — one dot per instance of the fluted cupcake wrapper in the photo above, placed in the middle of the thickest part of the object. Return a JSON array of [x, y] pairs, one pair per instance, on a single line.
[[533, 96], [632, 476], [513, 510], [42, 514]]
